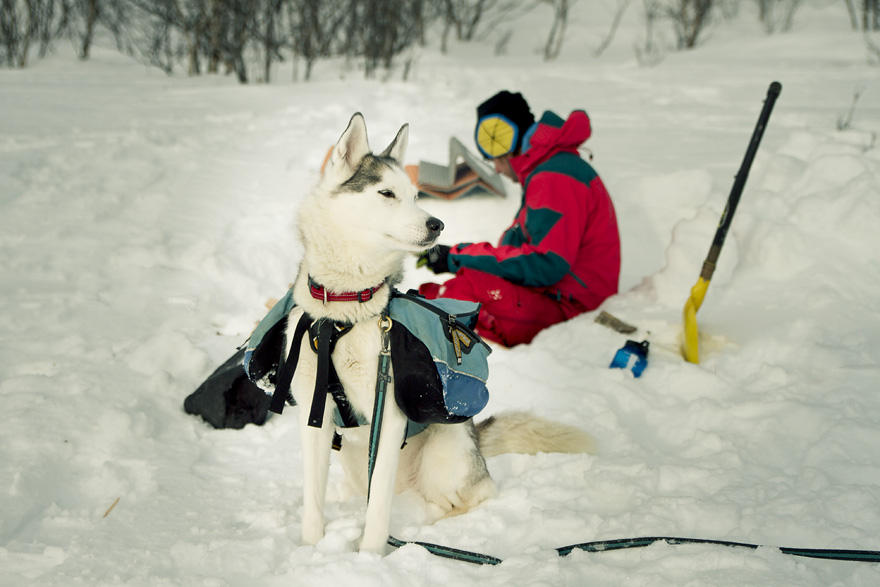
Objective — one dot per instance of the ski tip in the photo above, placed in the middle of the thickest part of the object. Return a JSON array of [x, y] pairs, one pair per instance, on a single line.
[[775, 88]]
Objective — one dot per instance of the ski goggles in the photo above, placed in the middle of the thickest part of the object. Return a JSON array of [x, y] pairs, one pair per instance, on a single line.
[[496, 136]]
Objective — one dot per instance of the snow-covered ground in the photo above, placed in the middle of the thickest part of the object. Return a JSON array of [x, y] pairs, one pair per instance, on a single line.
[[144, 221]]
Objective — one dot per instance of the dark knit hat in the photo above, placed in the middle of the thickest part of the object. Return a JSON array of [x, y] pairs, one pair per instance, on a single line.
[[513, 108]]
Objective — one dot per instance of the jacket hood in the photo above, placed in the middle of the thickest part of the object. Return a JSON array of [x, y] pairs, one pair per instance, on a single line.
[[552, 135]]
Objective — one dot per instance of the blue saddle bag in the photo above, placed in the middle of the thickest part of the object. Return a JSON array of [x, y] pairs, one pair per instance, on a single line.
[[440, 364]]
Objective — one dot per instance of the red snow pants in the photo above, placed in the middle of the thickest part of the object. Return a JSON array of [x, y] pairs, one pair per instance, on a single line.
[[511, 314]]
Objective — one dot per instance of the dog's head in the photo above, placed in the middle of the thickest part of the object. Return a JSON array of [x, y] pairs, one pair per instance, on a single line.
[[371, 197]]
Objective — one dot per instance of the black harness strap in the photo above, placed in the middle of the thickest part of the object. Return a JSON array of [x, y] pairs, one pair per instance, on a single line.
[[282, 386], [346, 412], [324, 334]]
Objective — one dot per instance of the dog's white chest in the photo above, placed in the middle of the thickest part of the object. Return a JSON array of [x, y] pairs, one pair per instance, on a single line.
[[356, 360]]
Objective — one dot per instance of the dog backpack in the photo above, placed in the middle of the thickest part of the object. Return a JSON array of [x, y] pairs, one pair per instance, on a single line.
[[440, 364], [263, 351]]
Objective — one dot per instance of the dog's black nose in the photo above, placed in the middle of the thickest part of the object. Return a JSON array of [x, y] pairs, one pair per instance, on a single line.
[[434, 224]]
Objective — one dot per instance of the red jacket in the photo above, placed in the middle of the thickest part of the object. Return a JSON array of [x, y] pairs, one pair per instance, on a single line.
[[564, 240]]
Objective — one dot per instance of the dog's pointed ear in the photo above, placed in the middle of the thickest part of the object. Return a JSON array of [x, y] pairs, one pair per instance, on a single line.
[[397, 149], [351, 148]]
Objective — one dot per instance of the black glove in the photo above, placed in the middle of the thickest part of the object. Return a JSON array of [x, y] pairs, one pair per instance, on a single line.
[[436, 259]]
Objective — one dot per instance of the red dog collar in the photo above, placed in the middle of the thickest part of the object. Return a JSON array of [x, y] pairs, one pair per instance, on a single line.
[[320, 293]]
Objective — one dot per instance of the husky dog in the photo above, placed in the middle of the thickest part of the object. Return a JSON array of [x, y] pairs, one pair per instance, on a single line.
[[357, 227]]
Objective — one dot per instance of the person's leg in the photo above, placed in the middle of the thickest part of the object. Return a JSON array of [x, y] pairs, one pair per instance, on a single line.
[[511, 314]]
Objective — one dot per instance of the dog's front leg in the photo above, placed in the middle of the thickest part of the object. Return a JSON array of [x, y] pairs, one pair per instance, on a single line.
[[316, 443], [378, 518]]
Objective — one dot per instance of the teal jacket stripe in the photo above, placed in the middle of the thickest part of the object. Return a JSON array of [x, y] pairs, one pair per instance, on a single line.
[[567, 164], [550, 118], [513, 236], [540, 222], [532, 270]]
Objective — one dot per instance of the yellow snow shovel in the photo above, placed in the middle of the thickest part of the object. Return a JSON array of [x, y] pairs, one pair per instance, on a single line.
[[691, 347]]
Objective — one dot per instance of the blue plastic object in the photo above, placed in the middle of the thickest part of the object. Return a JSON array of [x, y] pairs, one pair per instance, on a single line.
[[633, 356]]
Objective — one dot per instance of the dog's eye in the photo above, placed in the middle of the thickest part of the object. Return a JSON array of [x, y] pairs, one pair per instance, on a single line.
[[387, 193]]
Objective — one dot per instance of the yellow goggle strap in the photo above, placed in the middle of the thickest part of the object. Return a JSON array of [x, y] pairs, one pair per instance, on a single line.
[[496, 135]]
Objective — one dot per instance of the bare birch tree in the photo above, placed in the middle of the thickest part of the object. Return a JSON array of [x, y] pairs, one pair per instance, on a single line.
[[777, 15], [557, 29], [18, 28]]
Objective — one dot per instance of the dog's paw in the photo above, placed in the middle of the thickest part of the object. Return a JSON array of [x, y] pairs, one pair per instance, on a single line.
[[374, 545], [312, 533]]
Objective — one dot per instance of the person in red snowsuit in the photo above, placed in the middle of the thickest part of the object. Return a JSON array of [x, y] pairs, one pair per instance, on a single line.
[[561, 255]]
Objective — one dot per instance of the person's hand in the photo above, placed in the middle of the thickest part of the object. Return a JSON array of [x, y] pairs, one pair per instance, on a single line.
[[436, 259]]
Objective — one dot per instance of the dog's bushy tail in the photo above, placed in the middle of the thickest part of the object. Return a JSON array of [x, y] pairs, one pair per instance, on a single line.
[[525, 433]]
